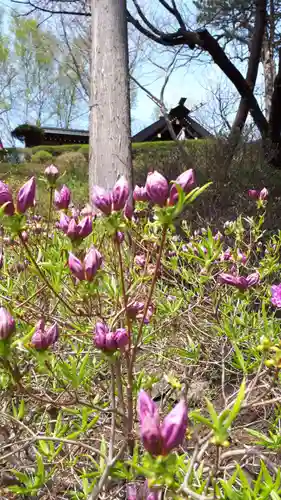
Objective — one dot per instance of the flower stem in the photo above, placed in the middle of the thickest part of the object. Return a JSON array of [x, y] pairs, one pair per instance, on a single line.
[[50, 211], [44, 277]]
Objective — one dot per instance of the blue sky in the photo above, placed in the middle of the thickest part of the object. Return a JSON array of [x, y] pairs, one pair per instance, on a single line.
[[191, 81]]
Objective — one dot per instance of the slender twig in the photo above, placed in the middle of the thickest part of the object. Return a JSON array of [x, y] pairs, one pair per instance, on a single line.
[[44, 277], [95, 494], [49, 212]]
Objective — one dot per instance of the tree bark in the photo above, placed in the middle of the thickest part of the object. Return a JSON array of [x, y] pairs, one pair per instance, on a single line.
[[269, 75], [253, 67], [110, 135]]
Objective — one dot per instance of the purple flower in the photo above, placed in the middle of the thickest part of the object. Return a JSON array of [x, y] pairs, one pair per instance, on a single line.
[[253, 279], [109, 341], [72, 230], [157, 188], [119, 237], [62, 198], [132, 492], [100, 333], [186, 181], [134, 309], [237, 281], [241, 257], [6, 197], [85, 227], [121, 337], [7, 324], [129, 209], [226, 255], [64, 222], [51, 174], [240, 282], [174, 427], [26, 196], [276, 295], [102, 200], [263, 194], [149, 313], [140, 260], [255, 194], [146, 406], [76, 267], [120, 193], [140, 193], [92, 263], [160, 439], [42, 339]]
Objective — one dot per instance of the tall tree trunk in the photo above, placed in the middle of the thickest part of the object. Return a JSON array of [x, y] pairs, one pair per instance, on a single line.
[[252, 71], [110, 142], [269, 76]]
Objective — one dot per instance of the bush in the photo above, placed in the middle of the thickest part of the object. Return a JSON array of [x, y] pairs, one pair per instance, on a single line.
[[72, 162], [41, 157], [131, 354]]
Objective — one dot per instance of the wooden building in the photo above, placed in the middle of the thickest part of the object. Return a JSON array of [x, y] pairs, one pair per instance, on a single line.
[[184, 127]]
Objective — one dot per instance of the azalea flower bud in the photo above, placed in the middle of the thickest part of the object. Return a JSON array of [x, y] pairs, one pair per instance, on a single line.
[[102, 200], [237, 281], [110, 342], [149, 314], [132, 492], [75, 213], [253, 279], [51, 174], [134, 309], [92, 263], [146, 406], [263, 194], [276, 295], [186, 181], [103, 338], [64, 222], [85, 227], [62, 198], [140, 260], [241, 257], [24, 236], [76, 266], [174, 426], [157, 188], [140, 193], [254, 194], [42, 339], [6, 197], [26, 196], [121, 337], [120, 193], [160, 439], [100, 332], [72, 230], [151, 434], [226, 255], [119, 237], [129, 209], [7, 324]]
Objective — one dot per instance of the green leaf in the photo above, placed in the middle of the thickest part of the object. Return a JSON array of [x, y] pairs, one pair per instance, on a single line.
[[237, 405]]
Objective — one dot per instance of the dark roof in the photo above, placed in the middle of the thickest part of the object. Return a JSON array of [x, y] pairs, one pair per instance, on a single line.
[[64, 131], [179, 113]]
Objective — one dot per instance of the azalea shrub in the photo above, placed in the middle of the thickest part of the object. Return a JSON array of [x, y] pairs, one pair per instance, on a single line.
[[137, 361]]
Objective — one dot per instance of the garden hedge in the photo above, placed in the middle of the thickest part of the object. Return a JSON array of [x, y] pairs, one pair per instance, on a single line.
[[224, 200]]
